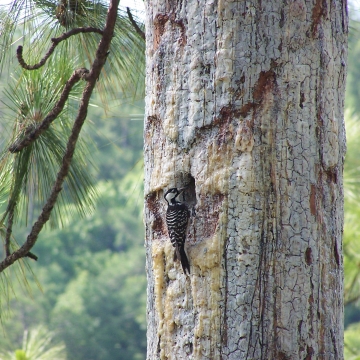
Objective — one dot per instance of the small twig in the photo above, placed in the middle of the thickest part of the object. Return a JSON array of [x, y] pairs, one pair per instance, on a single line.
[[32, 256], [134, 24], [10, 221], [100, 59], [55, 42], [9, 232], [32, 135]]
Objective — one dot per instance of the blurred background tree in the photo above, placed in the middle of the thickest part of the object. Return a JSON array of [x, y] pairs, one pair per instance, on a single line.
[[88, 288], [92, 270]]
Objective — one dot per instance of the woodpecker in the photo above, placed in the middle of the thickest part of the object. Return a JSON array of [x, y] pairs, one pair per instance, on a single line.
[[177, 216]]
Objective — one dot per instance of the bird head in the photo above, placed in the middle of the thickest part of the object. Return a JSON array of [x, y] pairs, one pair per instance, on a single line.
[[171, 195]]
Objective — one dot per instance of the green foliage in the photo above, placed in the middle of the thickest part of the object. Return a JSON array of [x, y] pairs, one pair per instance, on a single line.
[[91, 271], [93, 279], [37, 345], [118, 134], [351, 243], [352, 83], [36, 94], [351, 240], [112, 298], [352, 212], [352, 344], [41, 20], [26, 178]]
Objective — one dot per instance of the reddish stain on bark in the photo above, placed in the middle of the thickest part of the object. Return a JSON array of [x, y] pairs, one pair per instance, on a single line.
[[264, 85], [153, 205], [311, 299], [313, 200], [152, 124], [282, 356], [318, 11], [309, 353], [331, 175], [245, 109], [152, 120], [226, 112], [308, 256], [226, 115], [159, 28]]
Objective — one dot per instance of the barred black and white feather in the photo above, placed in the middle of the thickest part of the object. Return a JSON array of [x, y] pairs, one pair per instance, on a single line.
[[177, 217]]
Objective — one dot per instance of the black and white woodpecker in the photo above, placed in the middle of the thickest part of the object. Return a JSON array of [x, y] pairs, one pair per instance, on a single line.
[[177, 216]]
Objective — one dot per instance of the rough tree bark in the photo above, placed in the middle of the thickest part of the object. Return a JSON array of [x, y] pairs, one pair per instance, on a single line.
[[245, 102]]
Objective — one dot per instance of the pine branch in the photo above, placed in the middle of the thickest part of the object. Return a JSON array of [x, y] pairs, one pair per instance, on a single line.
[[55, 42], [100, 59], [32, 134], [134, 24]]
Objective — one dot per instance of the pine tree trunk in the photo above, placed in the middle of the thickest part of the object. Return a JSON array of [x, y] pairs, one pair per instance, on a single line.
[[245, 103]]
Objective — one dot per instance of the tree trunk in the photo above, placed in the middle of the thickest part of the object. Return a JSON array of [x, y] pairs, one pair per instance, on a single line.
[[245, 102]]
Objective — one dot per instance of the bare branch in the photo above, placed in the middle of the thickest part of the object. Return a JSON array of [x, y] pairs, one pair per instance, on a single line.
[[100, 59], [33, 134], [55, 41], [134, 24]]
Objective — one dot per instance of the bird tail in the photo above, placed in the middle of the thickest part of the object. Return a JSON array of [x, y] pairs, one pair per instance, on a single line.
[[181, 255]]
